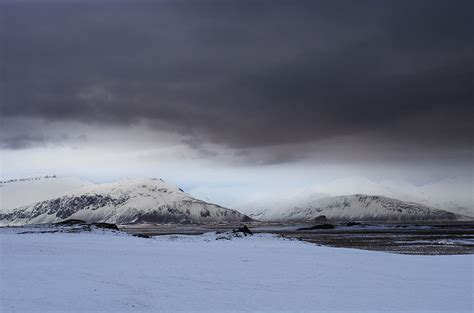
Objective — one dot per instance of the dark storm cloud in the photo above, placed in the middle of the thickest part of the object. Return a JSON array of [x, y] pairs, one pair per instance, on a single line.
[[22, 142], [246, 73]]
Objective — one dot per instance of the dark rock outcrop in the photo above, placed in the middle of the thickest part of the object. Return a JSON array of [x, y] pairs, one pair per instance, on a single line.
[[106, 226], [243, 229], [70, 222], [321, 219], [321, 226], [141, 236]]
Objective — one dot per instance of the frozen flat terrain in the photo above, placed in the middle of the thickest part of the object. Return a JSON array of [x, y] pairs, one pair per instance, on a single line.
[[103, 271], [422, 239]]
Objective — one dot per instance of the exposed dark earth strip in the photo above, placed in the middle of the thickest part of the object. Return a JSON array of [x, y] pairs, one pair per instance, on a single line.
[[421, 239], [435, 239]]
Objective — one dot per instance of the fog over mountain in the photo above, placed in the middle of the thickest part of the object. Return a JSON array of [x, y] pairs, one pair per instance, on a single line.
[[49, 199], [452, 195], [243, 101]]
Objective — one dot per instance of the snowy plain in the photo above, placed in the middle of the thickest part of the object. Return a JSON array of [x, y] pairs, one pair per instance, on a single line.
[[105, 271]]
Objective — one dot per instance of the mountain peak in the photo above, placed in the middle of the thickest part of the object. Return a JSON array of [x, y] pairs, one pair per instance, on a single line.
[[134, 200], [360, 207]]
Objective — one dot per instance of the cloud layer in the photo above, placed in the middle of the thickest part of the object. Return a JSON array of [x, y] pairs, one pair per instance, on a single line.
[[245, 74], [239, 100]]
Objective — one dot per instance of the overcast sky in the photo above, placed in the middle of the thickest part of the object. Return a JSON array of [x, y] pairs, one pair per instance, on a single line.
[[236, 98]]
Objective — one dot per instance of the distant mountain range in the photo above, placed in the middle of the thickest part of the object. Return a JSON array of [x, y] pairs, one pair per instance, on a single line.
[[357, 207], [453, 194], [149, 200]]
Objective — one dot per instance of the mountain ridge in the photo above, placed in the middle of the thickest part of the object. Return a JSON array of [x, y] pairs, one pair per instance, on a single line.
[[19, 192], [358, 207], [126, 201], [142, 200]]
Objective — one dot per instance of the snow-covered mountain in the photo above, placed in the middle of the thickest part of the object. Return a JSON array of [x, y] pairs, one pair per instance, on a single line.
[[15, 193], [125, 201], [357, 207], [453, 194]]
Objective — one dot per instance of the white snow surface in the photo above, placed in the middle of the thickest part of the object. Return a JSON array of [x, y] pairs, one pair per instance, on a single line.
[[103, 271], [21, 192], [124, 201]]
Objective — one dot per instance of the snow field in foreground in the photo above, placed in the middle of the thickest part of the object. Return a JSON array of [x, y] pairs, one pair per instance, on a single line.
[[111, 272]]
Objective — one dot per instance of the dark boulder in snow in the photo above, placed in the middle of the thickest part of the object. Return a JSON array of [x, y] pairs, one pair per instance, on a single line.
[[236, 233], [141, 236], [243, 229]]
